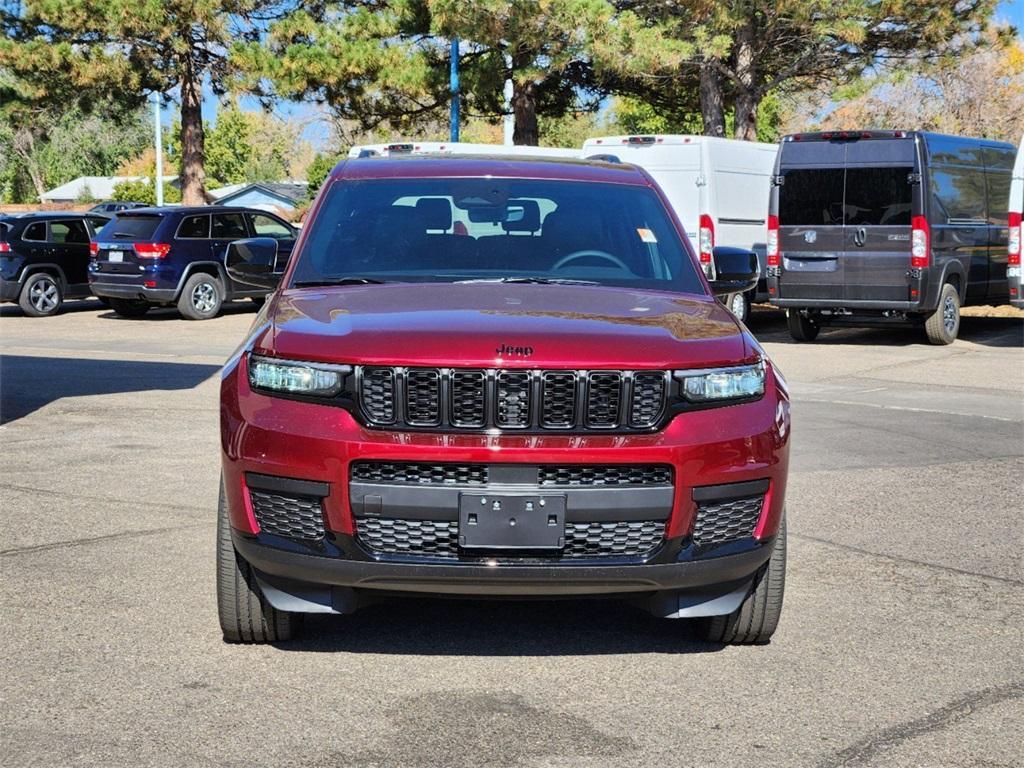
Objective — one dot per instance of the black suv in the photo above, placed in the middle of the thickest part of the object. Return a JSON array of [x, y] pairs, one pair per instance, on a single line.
[[44, 259], [872, 227], [175, 256]]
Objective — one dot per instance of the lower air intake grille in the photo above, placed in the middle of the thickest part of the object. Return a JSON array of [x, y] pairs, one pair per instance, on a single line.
[[297, 517], [625, 474], [419, 474], [429, 538], [721, 521], [610, 539]]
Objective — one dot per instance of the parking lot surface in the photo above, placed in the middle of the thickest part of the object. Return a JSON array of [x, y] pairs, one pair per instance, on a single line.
[[901, 643]]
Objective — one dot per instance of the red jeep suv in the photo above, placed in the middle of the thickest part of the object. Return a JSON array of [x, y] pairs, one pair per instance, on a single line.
[[498, 378]]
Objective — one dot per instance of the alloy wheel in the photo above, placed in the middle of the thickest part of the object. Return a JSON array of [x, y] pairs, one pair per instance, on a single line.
[[43, 295], [949, 314], [204, 297]]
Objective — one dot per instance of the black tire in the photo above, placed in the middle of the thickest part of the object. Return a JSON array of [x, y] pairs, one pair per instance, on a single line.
[[245, 615], [943, 325], [130, 307], [754, 622], [104, 301], [41, 295], [201, 297], [739, 305], [801, 327]]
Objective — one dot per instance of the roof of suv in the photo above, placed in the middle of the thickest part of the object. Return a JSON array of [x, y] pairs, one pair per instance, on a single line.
[[185, 209], [433, 166]]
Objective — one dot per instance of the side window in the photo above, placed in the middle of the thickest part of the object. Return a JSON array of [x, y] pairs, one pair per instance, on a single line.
[[72, 231], [228, 226], [266, 226], [998, 170], [959, 192], [193, 227], [36, 231]]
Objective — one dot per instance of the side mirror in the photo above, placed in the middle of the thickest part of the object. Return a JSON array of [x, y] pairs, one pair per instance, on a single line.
[[736, 270], [253, 261]]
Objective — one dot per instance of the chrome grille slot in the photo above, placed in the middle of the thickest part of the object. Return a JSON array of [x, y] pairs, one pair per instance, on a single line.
[[513, 409], [423, 397], [468, 398], [648, 399], [604, 396]]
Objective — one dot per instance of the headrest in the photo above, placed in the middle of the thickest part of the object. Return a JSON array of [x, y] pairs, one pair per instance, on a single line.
[[434, 213], [530, 220]]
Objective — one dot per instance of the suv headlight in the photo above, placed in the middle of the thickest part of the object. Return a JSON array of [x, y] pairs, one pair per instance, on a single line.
[[296, 377], [711, 385]]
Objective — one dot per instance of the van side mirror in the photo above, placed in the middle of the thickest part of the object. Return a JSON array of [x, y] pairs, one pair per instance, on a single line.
[[252, 261], [736, 270]]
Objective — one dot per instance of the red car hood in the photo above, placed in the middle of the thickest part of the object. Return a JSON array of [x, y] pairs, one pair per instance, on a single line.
[[502, 325]]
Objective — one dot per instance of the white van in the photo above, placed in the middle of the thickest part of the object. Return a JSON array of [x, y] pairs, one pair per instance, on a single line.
[[1014, 268], [457, 148], [718, 187]]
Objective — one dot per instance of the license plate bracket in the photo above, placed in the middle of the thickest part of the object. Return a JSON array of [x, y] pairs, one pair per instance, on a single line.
[[115, 257], [511, 521]]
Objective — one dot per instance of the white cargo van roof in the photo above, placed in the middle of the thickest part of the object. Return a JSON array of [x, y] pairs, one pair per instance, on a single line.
[[457, 148]]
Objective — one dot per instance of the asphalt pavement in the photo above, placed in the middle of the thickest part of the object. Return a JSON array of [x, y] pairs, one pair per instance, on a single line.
[[901, 641]]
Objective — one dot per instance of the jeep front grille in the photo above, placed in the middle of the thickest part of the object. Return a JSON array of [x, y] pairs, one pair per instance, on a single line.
[[526, 400], [546, 475]]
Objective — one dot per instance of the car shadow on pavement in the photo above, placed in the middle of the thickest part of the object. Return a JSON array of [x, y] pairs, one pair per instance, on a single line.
[[159, 314], [69, 307], [449, 627], [28, 383]]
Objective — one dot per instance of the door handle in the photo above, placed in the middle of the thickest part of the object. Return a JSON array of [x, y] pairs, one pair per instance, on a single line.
[[860, 237]]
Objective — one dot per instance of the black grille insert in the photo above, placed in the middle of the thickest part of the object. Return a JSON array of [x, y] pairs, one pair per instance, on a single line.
[[419, 474], [297, 517], [469, 400], [721, 521], [648, 399], [429, 538], [625, 539], [613, 474], [423, 398], [377, 394]]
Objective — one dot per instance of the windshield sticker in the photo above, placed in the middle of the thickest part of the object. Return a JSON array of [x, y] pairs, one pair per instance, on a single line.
[[646, 235]]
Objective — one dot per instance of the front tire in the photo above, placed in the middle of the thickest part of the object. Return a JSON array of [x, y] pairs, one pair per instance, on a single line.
[[739, 305], [801, 327], [943, 325], [41, 295], [201, 297], [754, 622], [130, 307], [245, 615]]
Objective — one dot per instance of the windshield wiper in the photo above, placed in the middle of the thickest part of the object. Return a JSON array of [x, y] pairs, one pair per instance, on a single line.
[[337, 281], [536, 280]]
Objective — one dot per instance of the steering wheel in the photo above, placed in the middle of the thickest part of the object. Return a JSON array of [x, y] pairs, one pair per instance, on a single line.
[[587, 253]]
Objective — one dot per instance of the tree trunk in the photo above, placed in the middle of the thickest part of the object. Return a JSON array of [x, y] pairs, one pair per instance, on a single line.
[[748, 96], [712, 108], [25, 147], [193, 142], [524, 108]]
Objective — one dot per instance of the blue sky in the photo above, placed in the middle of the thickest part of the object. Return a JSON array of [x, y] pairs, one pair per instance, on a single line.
[[317, 131]]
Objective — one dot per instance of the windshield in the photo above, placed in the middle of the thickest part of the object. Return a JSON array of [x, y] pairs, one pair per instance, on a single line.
[[450, 230]]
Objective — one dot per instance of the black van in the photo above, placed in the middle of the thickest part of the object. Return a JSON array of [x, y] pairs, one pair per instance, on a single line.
[[869, 227]]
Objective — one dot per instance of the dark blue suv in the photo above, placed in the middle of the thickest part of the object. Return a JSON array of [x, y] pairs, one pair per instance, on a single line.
[[175, 256]]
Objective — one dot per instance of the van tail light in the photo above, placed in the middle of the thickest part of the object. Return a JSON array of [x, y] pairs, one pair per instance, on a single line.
[[152, 250], [5, 247], [94, 250], [774, 255], [1016, 238], [920, 242], [706, 239]]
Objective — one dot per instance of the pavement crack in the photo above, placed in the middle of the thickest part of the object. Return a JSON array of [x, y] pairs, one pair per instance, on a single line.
[[874, 745], [94, 539], [908, 560], [104, 499]]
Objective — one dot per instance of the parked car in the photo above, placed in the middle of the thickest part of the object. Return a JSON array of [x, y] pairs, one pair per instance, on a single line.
[[881, 227], [1014, 272], [149, 257], [718, 187], [113, 206], [44, 259], [545, 401], [397, 148]]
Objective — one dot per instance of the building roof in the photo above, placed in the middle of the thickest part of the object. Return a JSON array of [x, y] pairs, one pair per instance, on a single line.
[[99, 187], [291, 192]]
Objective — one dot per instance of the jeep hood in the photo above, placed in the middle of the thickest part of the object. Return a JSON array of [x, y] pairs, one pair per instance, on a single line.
[[501, 324]]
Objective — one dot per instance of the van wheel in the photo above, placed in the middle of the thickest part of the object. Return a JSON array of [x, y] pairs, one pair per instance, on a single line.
[[739, 305], [943, 325], [754, 622], [41, 295], [201, 298], [801, 327], [130, 307], [245, 615]]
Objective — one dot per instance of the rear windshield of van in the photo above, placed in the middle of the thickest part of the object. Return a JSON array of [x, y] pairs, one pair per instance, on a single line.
[[858, 196], [123, 227]]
